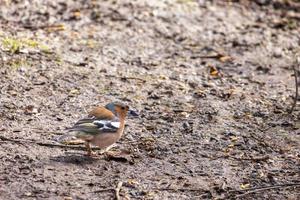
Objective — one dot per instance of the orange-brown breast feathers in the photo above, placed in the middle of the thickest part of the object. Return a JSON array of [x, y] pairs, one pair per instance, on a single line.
[[101, 113]]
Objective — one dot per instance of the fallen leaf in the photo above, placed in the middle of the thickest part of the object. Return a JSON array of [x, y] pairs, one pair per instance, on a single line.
[[225, 58], [234, 138], [74, 92], [245, 186], [163, 77], [132, 182], [29, 110], [213, 71], [77, 14], [150, 127], [184, 114], [200, 93], [28, 194]]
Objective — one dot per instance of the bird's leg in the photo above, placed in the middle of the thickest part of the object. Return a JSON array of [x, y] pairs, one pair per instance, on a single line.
[[89, 149]]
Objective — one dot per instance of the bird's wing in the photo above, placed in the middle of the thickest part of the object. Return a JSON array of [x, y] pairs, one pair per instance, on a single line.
[[96, 126], [107, 125], [100, 120]]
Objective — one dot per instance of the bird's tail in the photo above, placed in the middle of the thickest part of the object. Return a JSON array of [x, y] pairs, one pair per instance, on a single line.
[[65, 138]]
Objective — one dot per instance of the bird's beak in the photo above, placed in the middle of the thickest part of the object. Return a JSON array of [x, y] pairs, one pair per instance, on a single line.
[[132, 113]]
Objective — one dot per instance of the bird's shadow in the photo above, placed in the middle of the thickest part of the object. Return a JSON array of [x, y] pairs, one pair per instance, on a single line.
[[74, 158]]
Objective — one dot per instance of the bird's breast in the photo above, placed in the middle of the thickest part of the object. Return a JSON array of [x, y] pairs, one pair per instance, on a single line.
[[104, 140]]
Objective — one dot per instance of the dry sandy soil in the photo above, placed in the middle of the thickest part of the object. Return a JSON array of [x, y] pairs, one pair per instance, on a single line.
[[212, 81]]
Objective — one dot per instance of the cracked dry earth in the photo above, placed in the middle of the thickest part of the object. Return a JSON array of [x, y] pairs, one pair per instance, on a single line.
[[212, 82]]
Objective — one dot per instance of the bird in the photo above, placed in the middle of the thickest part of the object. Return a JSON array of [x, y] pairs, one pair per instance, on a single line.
[[103, 126]]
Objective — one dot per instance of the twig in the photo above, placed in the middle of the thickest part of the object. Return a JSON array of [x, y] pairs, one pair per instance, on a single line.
[[259, 189], [133, 78], [182, 189], [126, 77], [9, 139], [296, 83], [44, 144], [103, 190], [217, 56], [119, 186], [59, 145], [264, 143], [260, 158]]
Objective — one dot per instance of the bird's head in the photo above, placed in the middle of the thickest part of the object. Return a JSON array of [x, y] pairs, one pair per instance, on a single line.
[[120, 109]]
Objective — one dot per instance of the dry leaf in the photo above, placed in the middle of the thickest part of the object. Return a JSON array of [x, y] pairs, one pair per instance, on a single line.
[[213, 71], [29, 110], [77, 14], [200, 93], [234, 138], [163, 77], [132, 182], [184, 114], [74, 92], [245, 186], [225, 58]]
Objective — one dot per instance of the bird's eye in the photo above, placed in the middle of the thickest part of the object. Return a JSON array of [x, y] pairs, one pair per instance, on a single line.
[[122, 107]]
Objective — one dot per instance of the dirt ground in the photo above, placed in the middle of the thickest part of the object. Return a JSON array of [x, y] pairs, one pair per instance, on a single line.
[[212, 81]]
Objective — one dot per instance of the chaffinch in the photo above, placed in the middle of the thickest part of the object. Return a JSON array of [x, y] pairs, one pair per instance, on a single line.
[[104, 125]]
